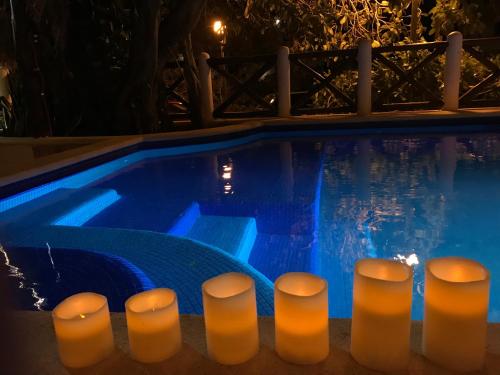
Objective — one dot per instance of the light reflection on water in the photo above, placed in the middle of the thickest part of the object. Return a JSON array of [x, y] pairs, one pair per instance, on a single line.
[[409, 200]]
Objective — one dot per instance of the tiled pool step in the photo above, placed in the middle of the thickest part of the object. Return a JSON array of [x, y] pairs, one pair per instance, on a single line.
[[234, 235], [72, 207], [145, 212], [186, 221], [168, 261]]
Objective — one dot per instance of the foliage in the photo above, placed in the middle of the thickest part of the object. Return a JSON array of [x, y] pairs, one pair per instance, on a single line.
[[317, 25], [311, 25], [91, 66], [472, 18]]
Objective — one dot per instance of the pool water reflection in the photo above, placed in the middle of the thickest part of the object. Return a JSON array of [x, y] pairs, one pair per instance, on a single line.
[[319, 204]]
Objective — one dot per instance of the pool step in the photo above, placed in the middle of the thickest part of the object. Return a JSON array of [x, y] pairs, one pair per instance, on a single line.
[[70, 207], [234, 235], [170, 262], [186, 221]]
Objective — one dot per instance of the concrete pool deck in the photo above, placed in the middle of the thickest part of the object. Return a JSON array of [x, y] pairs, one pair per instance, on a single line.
[[34, 333], [36, 157]]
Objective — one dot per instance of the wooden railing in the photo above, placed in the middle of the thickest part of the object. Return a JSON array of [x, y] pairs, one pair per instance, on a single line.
[[485, 91], [414, 86], [253, 77], [399, 77], [319, 70], [174, 92]]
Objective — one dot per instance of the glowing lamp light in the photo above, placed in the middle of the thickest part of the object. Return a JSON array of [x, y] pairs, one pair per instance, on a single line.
[[226, 175], [381, 317], [218, 27], [154, 329], [456, 301], [83, 330], [301, 318], [230, 311]]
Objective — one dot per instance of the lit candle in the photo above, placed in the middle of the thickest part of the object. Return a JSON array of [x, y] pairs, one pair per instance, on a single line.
[[381, 314], [154, 330], [231, 318], [455, 314], [301, 318], [83, 330]]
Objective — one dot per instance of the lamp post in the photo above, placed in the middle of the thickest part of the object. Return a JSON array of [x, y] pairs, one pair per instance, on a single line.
[[219, 30]]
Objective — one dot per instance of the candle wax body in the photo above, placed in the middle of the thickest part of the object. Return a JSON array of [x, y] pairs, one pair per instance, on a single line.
[[239, 344], [455, 313], [153, 325], [306, 347], [83, 330], [381, 319], [454, 341], [230, 312], [301, 318], [380, 341]]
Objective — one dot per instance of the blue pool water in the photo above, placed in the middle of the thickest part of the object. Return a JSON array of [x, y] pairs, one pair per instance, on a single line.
[[175, 217]]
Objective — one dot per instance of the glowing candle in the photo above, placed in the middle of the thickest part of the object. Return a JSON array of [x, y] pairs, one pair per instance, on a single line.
[[83, 329], [154, 330], [231, 318], [301, 318], [381, 314], [455, 315]]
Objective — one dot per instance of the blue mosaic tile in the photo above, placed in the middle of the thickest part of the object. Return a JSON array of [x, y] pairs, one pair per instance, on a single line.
[[177, 263]]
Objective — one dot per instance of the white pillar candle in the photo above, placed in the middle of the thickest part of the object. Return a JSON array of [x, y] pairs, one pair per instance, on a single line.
[[230, 311], [83, 330], [455, 314], [301, 318], [381, 314], [154, 330]]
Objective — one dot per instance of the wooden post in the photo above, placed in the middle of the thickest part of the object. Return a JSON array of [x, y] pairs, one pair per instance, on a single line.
[[452, 72], [283, 72], [414, 20], [4, 83], [364, 78], [207, 99]]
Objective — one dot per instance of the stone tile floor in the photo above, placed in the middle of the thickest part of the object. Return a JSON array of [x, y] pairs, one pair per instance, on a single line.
[[34, 333]]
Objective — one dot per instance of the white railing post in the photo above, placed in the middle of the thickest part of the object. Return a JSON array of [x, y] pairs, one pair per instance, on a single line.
[[364, 78], [207, 97], [283, 72], [452, 72]]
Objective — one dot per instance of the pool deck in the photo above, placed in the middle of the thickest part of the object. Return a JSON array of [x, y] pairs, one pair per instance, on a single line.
[[33, 157], [35, 335]]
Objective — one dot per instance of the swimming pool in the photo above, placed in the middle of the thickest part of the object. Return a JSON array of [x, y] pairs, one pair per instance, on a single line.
[[176, 216]]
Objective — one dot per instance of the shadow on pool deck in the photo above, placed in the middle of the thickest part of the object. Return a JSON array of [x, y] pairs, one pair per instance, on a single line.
[[41, 354]]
